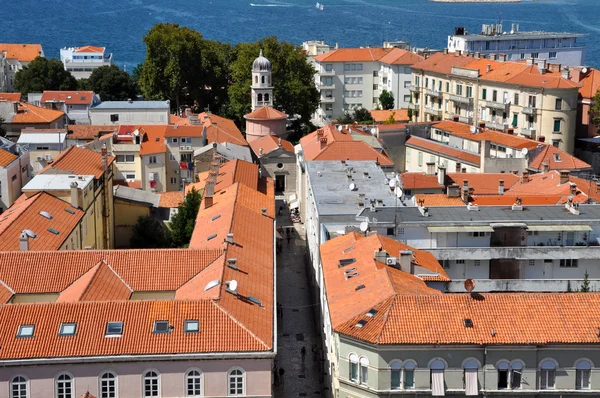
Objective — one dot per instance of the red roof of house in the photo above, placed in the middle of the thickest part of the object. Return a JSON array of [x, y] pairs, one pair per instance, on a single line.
[[171, 199], [590, 83], [269, 143], [441, 149], [6, 158], [31, 114], [220, 129], [266, 113], [12, 97], [417, 180], [353, 55], [484, 183], [89, 49], [557, 160], [88, 132], [398, 56], [464, 130], [80, 161], [22, 52], [68, 97], [381, 116]]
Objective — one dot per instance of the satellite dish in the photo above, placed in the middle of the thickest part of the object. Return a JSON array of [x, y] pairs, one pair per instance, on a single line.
[[352, 186], [584, 70], [524, 151], [398, 192], [364, 226], [392, 183], [233, 285], [472, 128], [373, 131], [469, 285], [340, 128]]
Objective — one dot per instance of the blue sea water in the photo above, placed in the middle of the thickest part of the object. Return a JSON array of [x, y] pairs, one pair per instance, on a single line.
[[121, 24]]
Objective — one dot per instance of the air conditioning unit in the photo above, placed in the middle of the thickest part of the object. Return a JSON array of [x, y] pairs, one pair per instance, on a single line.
[[48, 157], [151, 176], [40, 159], [391, 260]]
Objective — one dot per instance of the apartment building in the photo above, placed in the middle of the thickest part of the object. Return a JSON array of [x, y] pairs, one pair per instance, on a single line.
[[130, 112], [13, 57], [44, 145], [15, 172], [352, 78], [392, 332], [277, 161], [82, 61], [20, 115], [538, 101], [589, 79], [75, 104], [557, 47]]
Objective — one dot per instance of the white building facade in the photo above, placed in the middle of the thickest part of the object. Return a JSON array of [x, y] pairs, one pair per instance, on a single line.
[[82, 61], [130, 112]]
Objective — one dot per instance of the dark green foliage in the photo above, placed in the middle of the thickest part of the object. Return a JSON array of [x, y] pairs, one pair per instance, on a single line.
[[111, 84], [386, 99], [182, 224], [44, 74], [149, 233]]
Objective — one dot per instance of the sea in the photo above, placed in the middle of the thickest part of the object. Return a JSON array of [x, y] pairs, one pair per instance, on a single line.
[[120, 25]]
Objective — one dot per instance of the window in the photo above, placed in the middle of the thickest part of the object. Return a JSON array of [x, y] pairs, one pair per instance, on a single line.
[[547, 375], [436, 377], [494, 95], [193, 383], [447, 87], [262, 79], [582, 375], [328, 67], [67, 329], [353, 376], [503, 371], [469, 91], [108, 385], [259, 97], [64, 386], [446, 264], [420, 159], [161, 327], [114, 329], [515, 375], [568, 263], [552, 55], [531, 263], [375, 87], [26, 331], [375, 73], [364, 370], [236, 382], [477, 263], [191, 326], [470, 377], [151, 379], [409, 375], [266, 97], [18, 387], [460, 261], [459, 89], [516, 99], [535, 55], [173, 180], [556, 143], [130, 176], [484, 93], [152, 159]]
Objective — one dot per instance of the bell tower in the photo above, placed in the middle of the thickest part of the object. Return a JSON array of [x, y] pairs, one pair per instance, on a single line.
[[262, 89]]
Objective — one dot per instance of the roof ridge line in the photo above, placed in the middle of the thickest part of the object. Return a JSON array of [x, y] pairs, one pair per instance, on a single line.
[[118, 276], [240, 324], [385, 317], [7, 287], [87, 286]]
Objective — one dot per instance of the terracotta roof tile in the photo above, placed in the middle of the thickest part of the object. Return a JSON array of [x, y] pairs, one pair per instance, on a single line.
[[85, 132], [437, 199], [6, 158], [231, 172], [353, 55], [548, 184], [557, 160], [12, 97], [220, 129], [135, 184], [499, 200], [269, 143], [31, 114], [381, 116], [266, 113], [398, 56], [5, 293], [80, 161], [89, 49], [101, 283], [484, 183], [414, 180], [590, 84], [170, 199], [26, 215], [464, 130], [438, 148], [68, 97], [22, 52], [441, 63]]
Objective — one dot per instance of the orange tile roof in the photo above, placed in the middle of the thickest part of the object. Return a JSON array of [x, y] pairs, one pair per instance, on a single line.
[[269, 143], [153, 140], [353, 55], [484, 183], [548, 184], [100, 283], [590, 84], [80, 161], [26, 215], [339, 146], [22, 52], [266, 113], [12, 97], [6, 158], [414, 180], [441, 63], [557, 160], [500, 200], [437, 199], [438, 148], [381, 116], [89, 49], [231, 172], [31, 114], [68, 97], [6, 293], [398, 56], [464, 130], [221, 129], [135, 184], [85, 132], [170, 199], [178, 120]]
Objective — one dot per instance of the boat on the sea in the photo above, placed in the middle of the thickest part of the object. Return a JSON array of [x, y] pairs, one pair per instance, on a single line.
[[318, 5]]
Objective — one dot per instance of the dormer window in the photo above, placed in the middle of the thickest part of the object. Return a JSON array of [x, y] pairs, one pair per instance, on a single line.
[[67, 329], [114, 329], [161, 327], [191, 326], [26, 331]]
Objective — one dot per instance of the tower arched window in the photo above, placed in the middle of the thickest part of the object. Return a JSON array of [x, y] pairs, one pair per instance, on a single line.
[[18, 387], [151, 384], [471, 386], [266, 97], [582, 375], [64, 386], [259, 97], [255, 79], [108, 385], [262, 79], [436, 374]]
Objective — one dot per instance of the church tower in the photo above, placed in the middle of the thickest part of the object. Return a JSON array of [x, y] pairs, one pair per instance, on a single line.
[[262, 90]]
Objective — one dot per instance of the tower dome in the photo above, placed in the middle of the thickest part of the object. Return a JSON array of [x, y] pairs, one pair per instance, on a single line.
[[261, 64]]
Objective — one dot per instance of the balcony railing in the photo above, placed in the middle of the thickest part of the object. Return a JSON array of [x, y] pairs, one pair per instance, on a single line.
[[529, 110], [186, 148], [433, 93], [327, 72], [496, 126], [413, 106], [462, 119], [497, 105], [327, 86], [434, 112], [528, 131], [327, 100], [413, 88], [461, 99]]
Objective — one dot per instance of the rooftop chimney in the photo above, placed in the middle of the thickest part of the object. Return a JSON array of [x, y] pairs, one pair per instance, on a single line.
[[457, 170], [465, 183], [488, 68], [566, 73], [260, 151], [453, 191], [74, 195], [446, 50], [525, 178], [463, 170], [530, 61], [564, 176], [464, 194], [104, 158], [380, 255], [502, 57], [279, 142], [442, 176], [542, 66], [545, 167], [573, 189], [24, 242], [405, 261], [500, 187], [323, 141], [477, 55], [430, 168], [209, 192], [229, 238], [554, 68]]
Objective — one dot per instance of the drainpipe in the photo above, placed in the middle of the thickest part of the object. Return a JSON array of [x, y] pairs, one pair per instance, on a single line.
[[484, 368]]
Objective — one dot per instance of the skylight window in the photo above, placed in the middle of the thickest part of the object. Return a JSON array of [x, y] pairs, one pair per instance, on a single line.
[[26, 331], [161, 327], [359, 287], [54, 231], [67, 329], [361, 323], [557, 157], [114, 329], [348, 249], [191, 326], [371, 313], [45, 214], [216, 217], [211, 237], [346, 261], [255, 300], [211, 284], [70, 211]]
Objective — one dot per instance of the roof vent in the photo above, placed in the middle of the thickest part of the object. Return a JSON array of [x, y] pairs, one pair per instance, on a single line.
[[472, 207], [232, 263], [254, 300], [70, 211], [46, 215], [468, 323], [211, 284], [371, 313], [346, 261], [264, 211], [211, 237], [361, 323], [229, 238], [54, 231], [359, 287]]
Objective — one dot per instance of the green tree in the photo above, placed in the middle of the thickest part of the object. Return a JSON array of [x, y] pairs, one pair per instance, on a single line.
[[361, 115], [585, 285], [292, 76], [172, 69], [595, 109], [182, 224], [149, 233], [44, 74], [386, 99], [391, 119], [111, 84]]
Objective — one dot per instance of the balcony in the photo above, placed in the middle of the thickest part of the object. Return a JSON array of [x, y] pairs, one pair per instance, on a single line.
[[462, 119], [434, 112], [327, 100], [496, 126], [327, 72], [413, 106], [528, 131], [413, 88], [462, 100], [186, 148], [497, 105], [433, 93], [326, 86], [529, 110]]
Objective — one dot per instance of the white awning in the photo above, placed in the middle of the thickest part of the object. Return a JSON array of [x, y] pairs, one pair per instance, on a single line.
[[465, 228], [294, 205], [559, 228], [508, 225]]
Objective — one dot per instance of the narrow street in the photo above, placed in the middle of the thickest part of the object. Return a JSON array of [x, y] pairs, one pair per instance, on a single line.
[[297, 326]]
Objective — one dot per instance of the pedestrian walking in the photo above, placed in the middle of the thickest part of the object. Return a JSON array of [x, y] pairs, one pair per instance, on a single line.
[[303, 353], [281, 373]]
